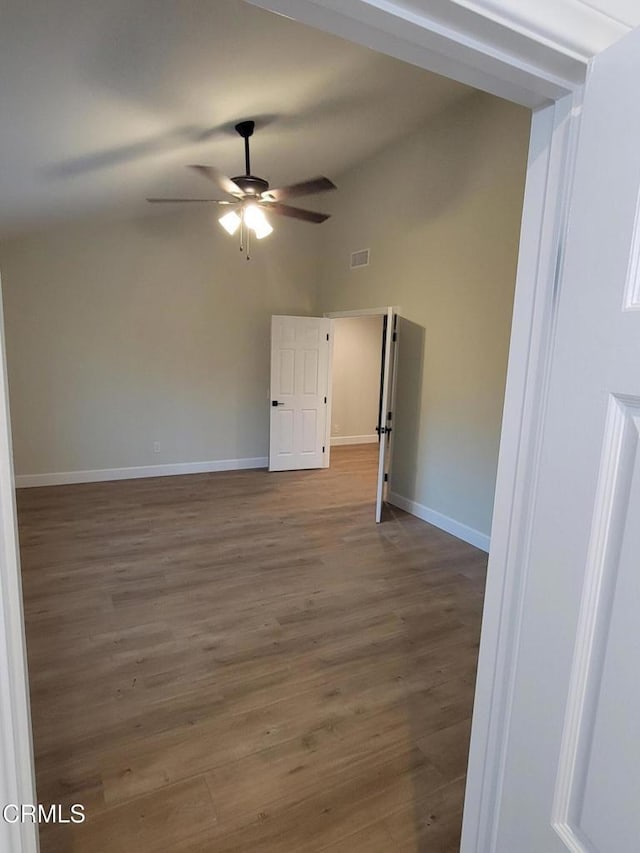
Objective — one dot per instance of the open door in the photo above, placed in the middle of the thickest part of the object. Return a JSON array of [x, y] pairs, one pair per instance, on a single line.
[[570, 778], [299, 388], [385, 411]]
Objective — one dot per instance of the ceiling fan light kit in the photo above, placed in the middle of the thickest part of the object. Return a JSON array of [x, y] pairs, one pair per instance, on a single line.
[[255, 219], [230, 222], [250, 197]]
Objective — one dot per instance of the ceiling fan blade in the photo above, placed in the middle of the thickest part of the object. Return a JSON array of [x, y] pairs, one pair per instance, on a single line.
[[182, 200], [221, 181], [295, 212], [314, 185]]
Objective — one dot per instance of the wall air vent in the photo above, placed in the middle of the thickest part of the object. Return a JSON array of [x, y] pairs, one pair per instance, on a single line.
[[359, 259]]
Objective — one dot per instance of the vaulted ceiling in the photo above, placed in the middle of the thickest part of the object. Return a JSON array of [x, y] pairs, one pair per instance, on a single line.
[[104, 103]]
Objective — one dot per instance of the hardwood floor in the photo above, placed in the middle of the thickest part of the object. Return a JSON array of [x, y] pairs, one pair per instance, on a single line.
[[244, 661]]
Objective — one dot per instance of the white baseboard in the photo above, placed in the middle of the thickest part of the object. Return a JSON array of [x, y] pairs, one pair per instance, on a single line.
[[337, 440], [99, 475], [456, 528]]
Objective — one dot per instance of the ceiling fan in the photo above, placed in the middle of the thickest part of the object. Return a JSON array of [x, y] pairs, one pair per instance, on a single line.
[[250, 197]]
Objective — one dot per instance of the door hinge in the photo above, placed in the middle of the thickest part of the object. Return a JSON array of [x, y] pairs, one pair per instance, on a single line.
[[323, 448], [386, 477], [327, 335], [325, 399], [389, 416], [394, 337]]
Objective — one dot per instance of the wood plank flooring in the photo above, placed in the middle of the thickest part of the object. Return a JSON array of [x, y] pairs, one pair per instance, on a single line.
[[244, 661]]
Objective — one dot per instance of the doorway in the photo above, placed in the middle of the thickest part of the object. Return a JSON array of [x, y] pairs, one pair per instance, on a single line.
[[356, 380], [531, 341], [348, 355], [356, 392], [362, 383]]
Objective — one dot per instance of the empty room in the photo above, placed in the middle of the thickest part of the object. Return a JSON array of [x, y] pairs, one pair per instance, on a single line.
[[258, 283]]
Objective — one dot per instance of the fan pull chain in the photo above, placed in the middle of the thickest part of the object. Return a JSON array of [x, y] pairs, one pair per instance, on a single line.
[[245, 237]]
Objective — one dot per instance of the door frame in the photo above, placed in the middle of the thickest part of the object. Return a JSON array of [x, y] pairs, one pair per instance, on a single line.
[[465, 45], [17, 772], [336, 315], [390, 311], [522, 67]]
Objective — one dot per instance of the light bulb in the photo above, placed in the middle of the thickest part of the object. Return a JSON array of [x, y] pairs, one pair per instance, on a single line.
[[230, 222], [262, 230], [256, 220]]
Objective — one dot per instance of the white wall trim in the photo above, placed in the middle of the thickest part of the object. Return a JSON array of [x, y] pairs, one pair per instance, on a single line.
[[338, 440], [449, 39], [329, 406], [363, 312], [100, 475], [565, 32], [444, 522], [17, 776]]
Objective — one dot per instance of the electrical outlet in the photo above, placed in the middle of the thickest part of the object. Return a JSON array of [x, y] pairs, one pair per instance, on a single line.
[[156, 447]]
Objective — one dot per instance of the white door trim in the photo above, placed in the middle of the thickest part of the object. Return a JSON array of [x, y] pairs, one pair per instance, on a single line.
[[362, 312], [452, 39], [17, 778], [458, 43], [544, 224], [327, 424], [334, 315], [388, 311]]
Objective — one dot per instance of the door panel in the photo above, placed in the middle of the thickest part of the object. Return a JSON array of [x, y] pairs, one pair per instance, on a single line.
[[285, 376], [598, 796], [572, 764], [299, 382], [407, 393], [309, 430], [284, 431], [311, 378]]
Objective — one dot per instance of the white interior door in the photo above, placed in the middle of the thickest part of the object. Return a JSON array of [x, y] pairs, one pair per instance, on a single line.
[[299, 388], [384, 425], [572, 762], [391, 406]]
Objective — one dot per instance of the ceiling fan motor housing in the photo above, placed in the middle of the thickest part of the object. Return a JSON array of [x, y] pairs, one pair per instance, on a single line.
[[250, 185]]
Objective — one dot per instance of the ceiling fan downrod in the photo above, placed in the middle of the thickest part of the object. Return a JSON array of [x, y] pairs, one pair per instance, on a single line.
[[251, 185], [245, 129]]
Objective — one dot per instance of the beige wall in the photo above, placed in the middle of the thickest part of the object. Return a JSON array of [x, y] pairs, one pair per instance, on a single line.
[[357, 343], [441, 214], [126, 333]]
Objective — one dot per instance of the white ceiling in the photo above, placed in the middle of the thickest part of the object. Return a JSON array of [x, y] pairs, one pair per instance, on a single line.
[[104, 103]]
